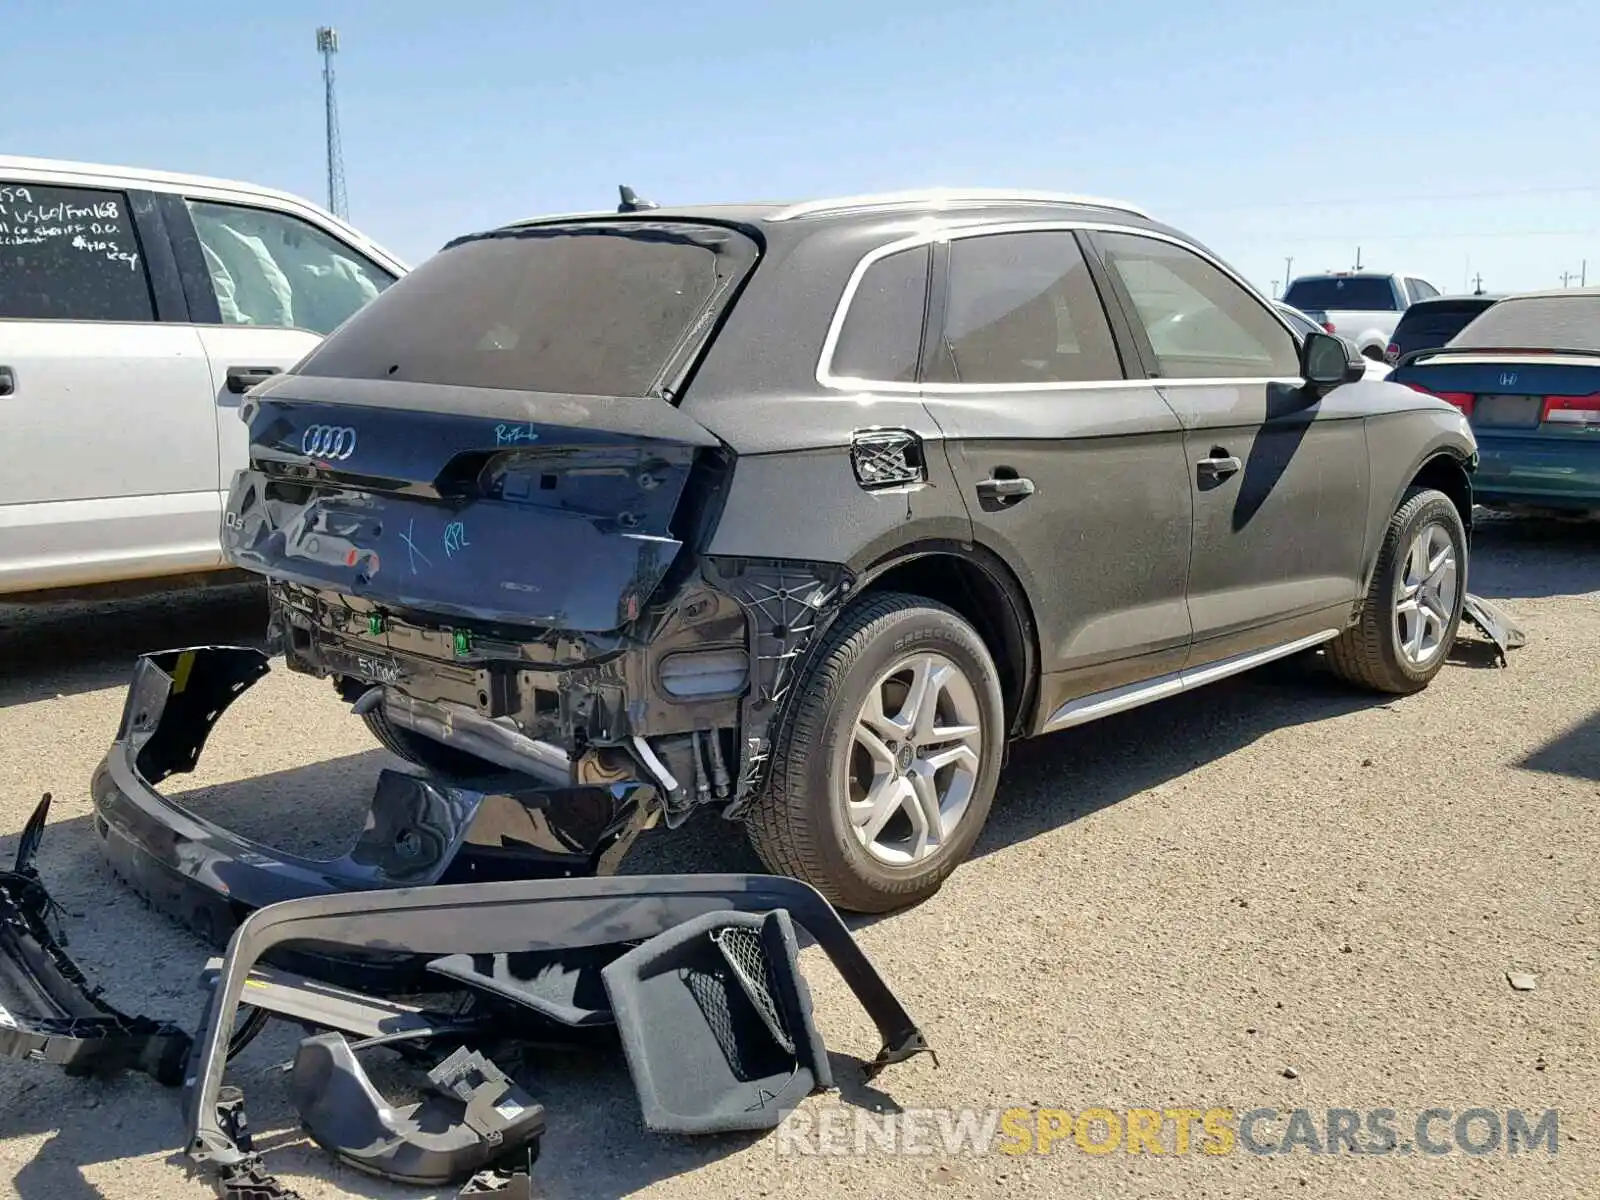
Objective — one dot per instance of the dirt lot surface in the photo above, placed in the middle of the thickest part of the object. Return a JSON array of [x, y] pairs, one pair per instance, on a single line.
[[1179, 907]]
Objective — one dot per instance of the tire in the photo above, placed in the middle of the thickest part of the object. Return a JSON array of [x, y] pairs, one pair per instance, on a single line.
[[799, 824], [424, 751], [1370, 653]]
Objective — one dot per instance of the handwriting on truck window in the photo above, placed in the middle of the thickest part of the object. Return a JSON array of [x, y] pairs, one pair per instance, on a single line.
[[97, 229]]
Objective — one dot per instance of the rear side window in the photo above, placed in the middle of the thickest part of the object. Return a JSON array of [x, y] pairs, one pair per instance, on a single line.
[[882, 332], [1362, 293], [1421, 289], [596, 309], [1435, 323], [70, 254], [1200, 323], [1537, 323], [268, 268], [1023, 308]]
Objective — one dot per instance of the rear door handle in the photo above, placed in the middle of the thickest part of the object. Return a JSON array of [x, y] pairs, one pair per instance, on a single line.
[[1219, 467], [8, 381], [1012, 488], [242, 379]]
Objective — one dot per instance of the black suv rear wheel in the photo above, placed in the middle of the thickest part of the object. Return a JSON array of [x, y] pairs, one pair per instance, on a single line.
[[883, 777]]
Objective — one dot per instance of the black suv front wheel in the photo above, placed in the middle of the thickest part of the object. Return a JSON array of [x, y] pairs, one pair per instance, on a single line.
[[882, 778]]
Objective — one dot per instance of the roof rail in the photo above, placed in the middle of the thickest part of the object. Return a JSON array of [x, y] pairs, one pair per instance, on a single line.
[[948, 197]]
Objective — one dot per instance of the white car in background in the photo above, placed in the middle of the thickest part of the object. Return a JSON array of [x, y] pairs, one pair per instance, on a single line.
[[1303, 324], [136, 309]]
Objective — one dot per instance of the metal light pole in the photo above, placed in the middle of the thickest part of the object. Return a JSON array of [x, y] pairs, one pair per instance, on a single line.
[[328, 46]]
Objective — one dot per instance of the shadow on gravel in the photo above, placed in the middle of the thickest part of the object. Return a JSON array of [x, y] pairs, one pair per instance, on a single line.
[[1532, 557], [63, 649], [1061, 777], [1575, 753]]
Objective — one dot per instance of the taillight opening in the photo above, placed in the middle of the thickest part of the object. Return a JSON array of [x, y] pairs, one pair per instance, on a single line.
[[1572, 410]]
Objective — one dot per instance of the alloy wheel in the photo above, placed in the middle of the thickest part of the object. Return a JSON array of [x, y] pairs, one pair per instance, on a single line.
[[1425, 595], [913, 759]]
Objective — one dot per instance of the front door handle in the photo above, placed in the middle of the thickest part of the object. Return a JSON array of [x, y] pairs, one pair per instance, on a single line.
[[8, 381], [242, 379], [1219, 467]]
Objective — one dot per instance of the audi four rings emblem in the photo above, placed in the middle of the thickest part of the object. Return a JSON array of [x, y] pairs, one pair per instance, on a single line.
[[331, 443]]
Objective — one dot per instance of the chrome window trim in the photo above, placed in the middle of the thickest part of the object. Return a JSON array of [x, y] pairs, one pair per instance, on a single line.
[[949, 231], [949, 197]]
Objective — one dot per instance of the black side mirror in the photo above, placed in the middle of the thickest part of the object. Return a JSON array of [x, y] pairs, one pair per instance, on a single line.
[[1327, 361]]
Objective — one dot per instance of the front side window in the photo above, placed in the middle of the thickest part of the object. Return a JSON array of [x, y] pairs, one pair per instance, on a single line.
[[882, 332], [70, 254], [277, 271], [1200, 323], [1023, 308]]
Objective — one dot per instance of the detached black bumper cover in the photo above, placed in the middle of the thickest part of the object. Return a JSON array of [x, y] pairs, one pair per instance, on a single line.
[[547, 915], [419, 831], [65, 1021]]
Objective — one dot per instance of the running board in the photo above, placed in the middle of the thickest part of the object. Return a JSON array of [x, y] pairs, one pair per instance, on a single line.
[[1114, 700]]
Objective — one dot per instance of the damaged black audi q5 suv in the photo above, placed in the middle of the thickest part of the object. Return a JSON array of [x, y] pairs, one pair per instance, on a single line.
[[804, 512]]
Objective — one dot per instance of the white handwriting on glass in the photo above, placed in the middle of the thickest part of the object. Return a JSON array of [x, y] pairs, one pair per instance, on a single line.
[[507, 435]]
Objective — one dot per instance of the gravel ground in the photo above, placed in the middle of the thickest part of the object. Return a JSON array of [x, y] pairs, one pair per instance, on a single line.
[[1275, 893]]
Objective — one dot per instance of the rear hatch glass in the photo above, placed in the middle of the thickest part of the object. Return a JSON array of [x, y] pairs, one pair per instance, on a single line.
[[1353, 293], [598, 309], [1536, 323]]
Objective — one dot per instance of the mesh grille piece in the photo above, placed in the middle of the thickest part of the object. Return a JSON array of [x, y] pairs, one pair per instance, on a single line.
[[748, 960]]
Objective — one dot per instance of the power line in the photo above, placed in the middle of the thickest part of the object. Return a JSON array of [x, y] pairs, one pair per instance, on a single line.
[[1367, 236], [1369, 202]]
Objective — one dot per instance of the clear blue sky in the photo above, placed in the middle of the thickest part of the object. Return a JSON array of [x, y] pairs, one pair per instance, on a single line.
[[1427, 133]]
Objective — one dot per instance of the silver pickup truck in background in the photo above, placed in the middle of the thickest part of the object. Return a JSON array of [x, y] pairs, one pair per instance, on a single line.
[[1363, 306]]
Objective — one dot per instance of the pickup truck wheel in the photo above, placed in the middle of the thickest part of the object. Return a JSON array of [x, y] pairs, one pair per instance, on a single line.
[[424, 751], [882, 778], [1413, 607]]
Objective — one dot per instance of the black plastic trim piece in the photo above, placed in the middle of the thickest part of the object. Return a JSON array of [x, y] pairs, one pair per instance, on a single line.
[[74, 1027], [493, 917]]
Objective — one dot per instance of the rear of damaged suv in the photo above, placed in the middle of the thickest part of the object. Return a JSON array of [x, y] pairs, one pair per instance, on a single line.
[[482, 513]]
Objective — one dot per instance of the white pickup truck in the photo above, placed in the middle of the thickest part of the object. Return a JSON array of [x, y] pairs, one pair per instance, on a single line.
[[136, 309], [1363, 306]]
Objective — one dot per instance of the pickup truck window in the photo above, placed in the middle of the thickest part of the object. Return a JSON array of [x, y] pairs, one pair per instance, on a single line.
[[272, 269], [70, 254], [1347, 293]]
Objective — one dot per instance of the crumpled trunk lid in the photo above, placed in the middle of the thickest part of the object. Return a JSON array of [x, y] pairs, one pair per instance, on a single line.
[[526, 508]]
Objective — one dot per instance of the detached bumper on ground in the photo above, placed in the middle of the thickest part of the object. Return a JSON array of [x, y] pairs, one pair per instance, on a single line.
[[419, 831]]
